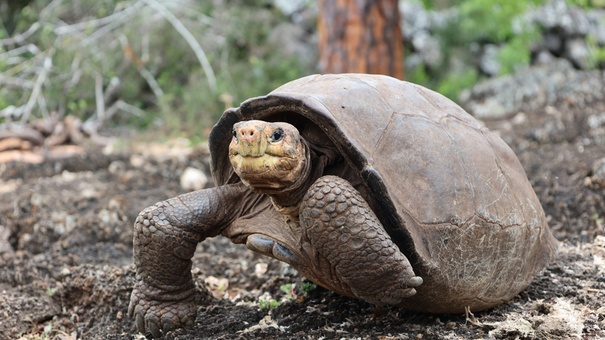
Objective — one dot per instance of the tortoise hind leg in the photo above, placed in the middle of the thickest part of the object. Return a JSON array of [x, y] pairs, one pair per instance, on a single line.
[[348, 238]]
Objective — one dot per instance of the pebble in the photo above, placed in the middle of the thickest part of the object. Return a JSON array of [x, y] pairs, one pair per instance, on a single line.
[[193, 179], [598, 171]]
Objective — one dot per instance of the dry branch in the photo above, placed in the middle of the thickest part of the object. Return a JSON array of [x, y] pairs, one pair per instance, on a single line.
[[189, 38]]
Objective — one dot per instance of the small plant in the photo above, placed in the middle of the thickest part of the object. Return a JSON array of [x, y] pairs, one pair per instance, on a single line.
[[268, 304], [599, 220], [307, 287], [51, 291], [288, 289]]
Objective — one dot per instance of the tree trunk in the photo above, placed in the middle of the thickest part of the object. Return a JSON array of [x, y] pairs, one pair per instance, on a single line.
[[360, 36]]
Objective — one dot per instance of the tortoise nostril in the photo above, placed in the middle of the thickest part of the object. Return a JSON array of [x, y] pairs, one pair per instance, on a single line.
[[248, 133]]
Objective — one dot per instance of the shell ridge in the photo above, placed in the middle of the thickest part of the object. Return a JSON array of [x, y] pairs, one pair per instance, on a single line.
[[393, 112], [464, 165], [454, 117], [501, 172], [426, 96], [384, 132]]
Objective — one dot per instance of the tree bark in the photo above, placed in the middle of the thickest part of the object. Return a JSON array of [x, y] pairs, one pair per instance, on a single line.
[[360, 36]]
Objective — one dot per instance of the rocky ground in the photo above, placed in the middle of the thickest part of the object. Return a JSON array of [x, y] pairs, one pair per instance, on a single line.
[[66, 247]]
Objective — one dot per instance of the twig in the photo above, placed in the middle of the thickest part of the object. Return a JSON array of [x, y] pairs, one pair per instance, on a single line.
[[138, 63], [153, 84], [19, 38], [47, 64], [82, 26], [93, 124], [49, 7], [114, 83], [15, 82], [76, 71], [470, 317], [184, 32], [42, 106], [110, 26], [99, 98], [31, 48]]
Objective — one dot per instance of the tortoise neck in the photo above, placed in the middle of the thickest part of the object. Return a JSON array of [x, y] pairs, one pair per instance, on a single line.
[[287, 200]]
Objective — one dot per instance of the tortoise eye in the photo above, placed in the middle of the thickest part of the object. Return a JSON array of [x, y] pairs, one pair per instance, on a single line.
[[277, 135]]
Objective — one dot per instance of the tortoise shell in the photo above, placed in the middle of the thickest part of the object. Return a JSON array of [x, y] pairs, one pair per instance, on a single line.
[[451, 194]]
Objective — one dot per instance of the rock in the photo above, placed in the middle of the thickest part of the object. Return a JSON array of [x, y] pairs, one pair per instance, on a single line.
[[578, 53], [289, 7], [543, 58], [598, 172], [414, 19], [193, 179], [418, 26], [489, 63], [427, 48], [5, 246], [553, 43], [533, 88], [559, 16], [596, 18]]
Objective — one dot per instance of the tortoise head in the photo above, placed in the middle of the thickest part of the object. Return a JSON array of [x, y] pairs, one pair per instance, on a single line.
[[268, 156]]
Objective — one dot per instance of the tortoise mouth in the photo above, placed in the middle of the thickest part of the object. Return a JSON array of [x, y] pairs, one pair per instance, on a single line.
[[261, 164], [266, 171]]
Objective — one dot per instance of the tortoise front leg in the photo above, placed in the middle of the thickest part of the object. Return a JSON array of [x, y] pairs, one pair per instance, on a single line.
[[165, 238], [357, 255]]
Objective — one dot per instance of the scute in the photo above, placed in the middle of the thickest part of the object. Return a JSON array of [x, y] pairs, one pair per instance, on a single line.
[[454, 196]]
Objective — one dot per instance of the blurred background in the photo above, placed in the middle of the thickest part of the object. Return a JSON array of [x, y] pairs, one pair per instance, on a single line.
[[173, 67]]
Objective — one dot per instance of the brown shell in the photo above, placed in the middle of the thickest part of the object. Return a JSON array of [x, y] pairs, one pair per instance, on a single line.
[[454, 196]]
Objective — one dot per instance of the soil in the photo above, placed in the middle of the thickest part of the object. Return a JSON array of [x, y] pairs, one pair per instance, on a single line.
[[66, 250]]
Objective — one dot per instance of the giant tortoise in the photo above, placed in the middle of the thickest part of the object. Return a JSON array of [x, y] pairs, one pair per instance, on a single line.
[[373, 187]]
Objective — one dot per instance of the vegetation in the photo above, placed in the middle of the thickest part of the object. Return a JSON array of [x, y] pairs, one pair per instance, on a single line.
[[487, 22], [177, 65], [268, 304], [479, 22], [307, 287], [171, 64]]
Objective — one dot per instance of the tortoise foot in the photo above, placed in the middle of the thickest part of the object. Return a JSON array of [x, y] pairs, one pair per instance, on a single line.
[[345, 232], [162, 314]]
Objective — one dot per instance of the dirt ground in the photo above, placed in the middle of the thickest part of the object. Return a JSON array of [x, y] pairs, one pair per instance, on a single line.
[[66, 250]]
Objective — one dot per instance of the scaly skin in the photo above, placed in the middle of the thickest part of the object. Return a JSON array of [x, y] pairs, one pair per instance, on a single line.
[[362, 259], [165, 238]]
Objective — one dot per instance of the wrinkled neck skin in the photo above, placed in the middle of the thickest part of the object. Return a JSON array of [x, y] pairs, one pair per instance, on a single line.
[[286, 200]]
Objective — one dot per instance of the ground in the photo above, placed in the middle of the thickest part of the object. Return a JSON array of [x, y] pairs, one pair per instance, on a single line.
[[67, 269]]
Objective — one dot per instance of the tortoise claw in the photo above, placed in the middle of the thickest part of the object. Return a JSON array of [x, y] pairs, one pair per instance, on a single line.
[[153, 328], [415, 281], [268, 246]]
